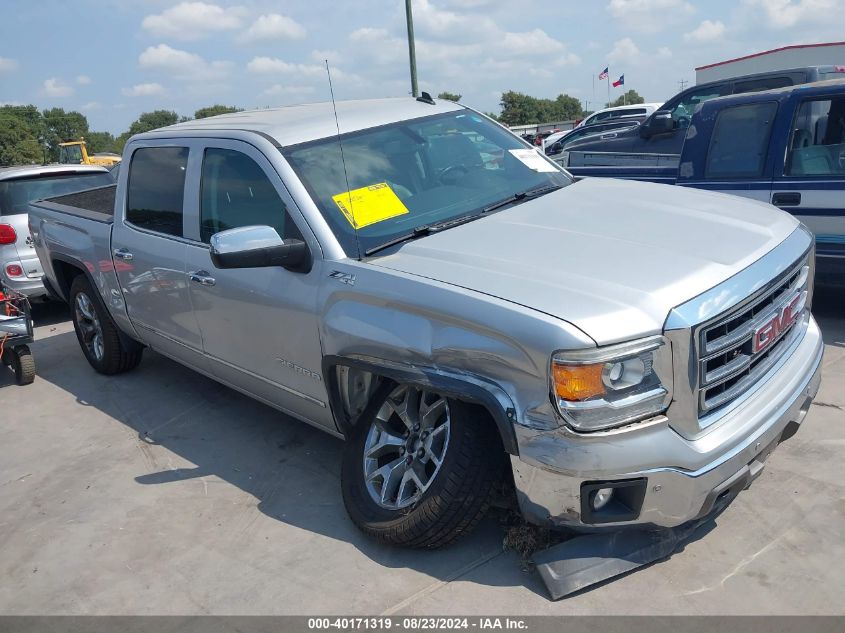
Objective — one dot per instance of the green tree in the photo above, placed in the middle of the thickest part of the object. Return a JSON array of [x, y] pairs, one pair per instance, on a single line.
[[99, 142], [214, 110], [18, 145], [522, 109], [62, 126], [629, 98], [450, 96], [152, 121], [146, 122]]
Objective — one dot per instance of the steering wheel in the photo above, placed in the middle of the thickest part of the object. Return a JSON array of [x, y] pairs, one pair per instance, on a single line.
[[452, 174]]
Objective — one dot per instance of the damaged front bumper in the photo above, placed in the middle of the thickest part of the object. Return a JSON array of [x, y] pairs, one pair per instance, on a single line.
[[663, 479]]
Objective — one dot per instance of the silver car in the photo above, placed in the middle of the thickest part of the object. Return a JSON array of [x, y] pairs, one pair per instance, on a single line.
[[19, 266]]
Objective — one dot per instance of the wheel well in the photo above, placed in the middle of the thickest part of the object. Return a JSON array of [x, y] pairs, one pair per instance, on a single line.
[[351, 384], [65, 274]]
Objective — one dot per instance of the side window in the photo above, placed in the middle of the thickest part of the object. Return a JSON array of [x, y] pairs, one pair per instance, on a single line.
[[236, 192], [740, 141], [758, 85], [817, 140], [682, 111], [157, 189]]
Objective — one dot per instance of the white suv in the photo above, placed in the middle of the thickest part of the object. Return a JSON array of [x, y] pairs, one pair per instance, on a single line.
[[19, 266]]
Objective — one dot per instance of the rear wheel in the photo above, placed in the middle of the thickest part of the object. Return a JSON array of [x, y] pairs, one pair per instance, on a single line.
[[97, 334], [419, 468]]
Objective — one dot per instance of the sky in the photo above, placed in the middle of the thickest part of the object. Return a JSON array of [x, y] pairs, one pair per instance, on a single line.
[[113, 59]]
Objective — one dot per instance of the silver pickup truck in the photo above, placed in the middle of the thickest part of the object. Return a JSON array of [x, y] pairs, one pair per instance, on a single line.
[[414, 278]]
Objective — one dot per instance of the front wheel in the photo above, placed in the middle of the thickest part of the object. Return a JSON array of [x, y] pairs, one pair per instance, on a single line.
[[419, 468]]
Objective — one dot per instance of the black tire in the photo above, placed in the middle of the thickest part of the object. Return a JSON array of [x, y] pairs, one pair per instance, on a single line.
[[24, 365], [116, 358], [458, 496]]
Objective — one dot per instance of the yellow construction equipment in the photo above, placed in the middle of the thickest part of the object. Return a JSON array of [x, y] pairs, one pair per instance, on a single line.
[[75, 153]]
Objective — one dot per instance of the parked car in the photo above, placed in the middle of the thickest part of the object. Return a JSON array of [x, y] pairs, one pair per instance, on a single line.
[[556, 143], [654, 137], [637, 109], [19, 266], [783, 146], [602, 342]]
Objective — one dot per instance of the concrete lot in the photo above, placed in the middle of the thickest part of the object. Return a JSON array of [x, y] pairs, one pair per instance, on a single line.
[[161, 492]]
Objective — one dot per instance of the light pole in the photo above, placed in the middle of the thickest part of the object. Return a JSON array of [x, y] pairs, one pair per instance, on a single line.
[[412, 55]]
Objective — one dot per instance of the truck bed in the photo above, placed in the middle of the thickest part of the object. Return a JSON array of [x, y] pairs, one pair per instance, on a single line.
[[91, 204]]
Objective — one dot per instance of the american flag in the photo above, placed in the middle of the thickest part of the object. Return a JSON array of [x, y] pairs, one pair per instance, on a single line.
[[603, 74]]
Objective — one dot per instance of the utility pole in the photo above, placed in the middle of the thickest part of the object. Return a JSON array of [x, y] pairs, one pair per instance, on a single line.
[[412, 54], [683, 84]]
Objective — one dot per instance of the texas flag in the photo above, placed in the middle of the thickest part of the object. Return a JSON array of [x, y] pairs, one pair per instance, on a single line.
[[619, 82], [603, 74]]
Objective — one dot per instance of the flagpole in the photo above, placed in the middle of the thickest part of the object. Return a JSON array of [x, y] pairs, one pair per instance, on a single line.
[[608, 87], [593, 75]]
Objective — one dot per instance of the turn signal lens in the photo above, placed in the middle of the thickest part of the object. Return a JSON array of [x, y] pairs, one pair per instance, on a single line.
[[578, 382], [13, 270]]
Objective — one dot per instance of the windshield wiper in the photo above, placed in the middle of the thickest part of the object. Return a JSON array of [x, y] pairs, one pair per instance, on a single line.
[[422, 231], [428, 229], [520, 196]]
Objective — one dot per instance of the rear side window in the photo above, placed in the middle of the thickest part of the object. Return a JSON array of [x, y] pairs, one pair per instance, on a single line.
[[236, 192], [758, 85], [740, 140], [15, 195], [157, 189]]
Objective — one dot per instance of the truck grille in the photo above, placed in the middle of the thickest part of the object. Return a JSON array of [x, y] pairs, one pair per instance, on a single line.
[[739, 347]]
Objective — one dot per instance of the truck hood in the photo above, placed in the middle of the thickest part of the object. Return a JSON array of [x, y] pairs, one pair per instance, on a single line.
[[612, 257]]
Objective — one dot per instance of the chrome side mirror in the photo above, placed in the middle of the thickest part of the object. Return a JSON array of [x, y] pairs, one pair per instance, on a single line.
[[258, 247]]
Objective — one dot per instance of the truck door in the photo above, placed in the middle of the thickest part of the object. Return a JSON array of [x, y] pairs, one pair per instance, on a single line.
[[681, 111], [810, 183], [149, 251], [258, 324]]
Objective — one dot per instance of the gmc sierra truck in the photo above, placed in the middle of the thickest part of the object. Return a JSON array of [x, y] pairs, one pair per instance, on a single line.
[[630, 353]]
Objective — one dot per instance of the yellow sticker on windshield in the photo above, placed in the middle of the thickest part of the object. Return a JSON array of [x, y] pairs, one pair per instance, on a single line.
[[369, 205]]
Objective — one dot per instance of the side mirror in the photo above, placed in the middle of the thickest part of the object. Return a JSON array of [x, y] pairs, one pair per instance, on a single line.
[[258, 247], [660, 122]]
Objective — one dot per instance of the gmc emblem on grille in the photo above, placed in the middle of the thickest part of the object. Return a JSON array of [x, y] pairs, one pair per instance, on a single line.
[[768, 332]]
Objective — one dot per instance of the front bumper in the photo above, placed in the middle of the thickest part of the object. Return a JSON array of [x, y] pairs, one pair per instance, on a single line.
[[682, 478]]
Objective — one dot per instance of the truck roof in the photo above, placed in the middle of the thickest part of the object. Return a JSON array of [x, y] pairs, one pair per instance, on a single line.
[[778, 93], [26, 171], [291, 125]]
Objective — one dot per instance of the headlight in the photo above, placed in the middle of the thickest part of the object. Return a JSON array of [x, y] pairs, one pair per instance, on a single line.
[[610, 386]]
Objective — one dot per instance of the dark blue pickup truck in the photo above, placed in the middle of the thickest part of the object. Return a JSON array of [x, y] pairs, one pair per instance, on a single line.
[[784, 146]]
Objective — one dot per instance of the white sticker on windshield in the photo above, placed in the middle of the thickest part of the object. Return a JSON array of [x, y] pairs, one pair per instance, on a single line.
[[531, 159]]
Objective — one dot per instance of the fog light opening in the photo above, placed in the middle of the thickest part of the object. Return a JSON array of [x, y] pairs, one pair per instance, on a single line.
[[602, 498]]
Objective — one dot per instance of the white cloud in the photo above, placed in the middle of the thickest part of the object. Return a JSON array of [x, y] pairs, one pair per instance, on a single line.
[[193, 21], [650, 16], [274, 27], [182, 64], [322, 55], [288, 90], [531, 43], [92, 105], [54, 87], [707, 31], [143, 90], [8, 65], [274, 66], [624, 50], [83, 80], [784, 14]]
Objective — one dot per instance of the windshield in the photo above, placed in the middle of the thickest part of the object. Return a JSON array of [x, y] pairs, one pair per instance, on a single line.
[[415, 173], [71, 154], [15, 195]]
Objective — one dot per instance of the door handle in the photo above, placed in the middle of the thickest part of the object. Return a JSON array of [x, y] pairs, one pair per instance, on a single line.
[[202, 278], [786, 198], [122, 253]]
